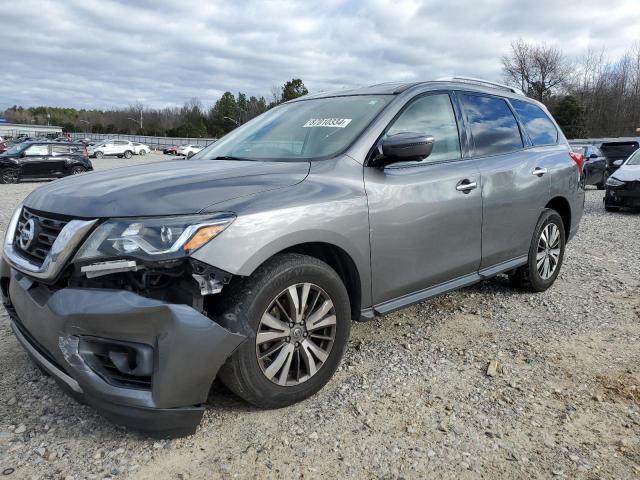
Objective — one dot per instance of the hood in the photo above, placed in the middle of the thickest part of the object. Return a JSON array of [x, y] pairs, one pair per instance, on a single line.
[[165, 188], [627, 173]]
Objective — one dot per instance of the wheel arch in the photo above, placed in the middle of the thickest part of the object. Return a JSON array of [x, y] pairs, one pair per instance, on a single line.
[[562, 206]]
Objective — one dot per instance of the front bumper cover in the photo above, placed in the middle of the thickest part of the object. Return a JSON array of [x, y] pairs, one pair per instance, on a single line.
[[189, 348]]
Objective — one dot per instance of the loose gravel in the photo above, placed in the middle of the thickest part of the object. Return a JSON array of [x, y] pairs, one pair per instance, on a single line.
[[486, 382]]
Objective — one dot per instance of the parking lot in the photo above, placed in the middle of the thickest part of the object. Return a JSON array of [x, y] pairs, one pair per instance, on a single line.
[[413, 397]]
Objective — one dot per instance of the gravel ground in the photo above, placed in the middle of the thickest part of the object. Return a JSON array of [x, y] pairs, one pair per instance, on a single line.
[[486, 382]]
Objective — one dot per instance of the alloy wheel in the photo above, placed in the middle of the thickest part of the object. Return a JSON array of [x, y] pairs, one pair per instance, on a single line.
[[548, 254], [296, 334]]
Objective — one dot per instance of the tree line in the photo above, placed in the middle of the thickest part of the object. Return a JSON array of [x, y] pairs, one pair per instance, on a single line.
[[192, 120], [590, 96]]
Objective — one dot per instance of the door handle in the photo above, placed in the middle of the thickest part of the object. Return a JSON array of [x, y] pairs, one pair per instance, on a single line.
[[466, 186], [538, 171]]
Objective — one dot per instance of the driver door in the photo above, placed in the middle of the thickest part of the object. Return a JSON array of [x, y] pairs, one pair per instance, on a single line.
[[425, 216], [34, 161]]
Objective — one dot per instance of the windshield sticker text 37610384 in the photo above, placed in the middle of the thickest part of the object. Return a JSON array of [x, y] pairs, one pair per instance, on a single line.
[[327, 122]]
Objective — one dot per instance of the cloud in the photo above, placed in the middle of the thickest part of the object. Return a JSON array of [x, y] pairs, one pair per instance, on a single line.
[[107, 53]]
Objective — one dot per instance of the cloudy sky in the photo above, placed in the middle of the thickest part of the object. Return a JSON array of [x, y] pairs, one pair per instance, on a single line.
[[108, 53]]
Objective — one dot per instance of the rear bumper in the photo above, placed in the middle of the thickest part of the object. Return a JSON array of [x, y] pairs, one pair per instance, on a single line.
[[188, 349]]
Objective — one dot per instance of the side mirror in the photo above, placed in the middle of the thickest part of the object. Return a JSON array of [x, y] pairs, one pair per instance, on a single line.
[[618, 163], [593, 155], [406, 147]]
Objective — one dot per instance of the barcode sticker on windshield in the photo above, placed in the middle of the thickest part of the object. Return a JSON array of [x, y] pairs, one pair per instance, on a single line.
[[327, 122]]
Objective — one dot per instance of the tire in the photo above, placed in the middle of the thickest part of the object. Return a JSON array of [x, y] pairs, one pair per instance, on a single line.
[[602, 185], [99, 155], [610, 208], [530, 277], [190, 154], [248, 302], [142, 153], [9, 175], [77, 170], [127, 154]]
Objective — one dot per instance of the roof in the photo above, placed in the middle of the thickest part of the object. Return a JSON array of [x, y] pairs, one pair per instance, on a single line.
[[395, 88]]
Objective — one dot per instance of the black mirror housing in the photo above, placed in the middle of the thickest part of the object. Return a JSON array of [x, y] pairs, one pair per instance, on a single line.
[[407, 146], [593, 155]]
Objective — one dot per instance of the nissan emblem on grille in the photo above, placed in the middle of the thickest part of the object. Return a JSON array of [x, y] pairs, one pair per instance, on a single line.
[[27, 234]]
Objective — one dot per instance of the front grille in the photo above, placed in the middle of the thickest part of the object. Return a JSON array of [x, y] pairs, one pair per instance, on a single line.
[[46, 230]]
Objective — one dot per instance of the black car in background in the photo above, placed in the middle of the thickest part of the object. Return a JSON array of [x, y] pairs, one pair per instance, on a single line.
[[623, 187], [43, 159], [595, 164], [618, 150]]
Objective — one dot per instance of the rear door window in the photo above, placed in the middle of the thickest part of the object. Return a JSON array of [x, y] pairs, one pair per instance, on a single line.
[[494, 128], [37, 150], [59, 150], [536, 123]]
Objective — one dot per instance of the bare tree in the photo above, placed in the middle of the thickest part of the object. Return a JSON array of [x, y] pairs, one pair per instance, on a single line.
[[537, 69]]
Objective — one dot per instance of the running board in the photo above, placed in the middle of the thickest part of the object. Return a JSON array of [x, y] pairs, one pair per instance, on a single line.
[[391, 306]]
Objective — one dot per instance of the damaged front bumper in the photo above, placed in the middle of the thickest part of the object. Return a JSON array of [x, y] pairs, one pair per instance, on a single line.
[[140, 362]]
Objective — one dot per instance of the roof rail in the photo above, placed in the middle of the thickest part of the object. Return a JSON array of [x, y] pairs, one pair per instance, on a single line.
[[479, 81]]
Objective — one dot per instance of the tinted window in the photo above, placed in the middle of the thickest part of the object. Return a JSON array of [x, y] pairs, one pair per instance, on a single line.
[[537, 124], [618, 150], [431, 115], [492, 124], [36, 150]]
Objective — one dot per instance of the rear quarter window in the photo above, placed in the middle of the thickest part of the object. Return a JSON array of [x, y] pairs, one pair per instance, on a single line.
[[494, 129], [537, 124]]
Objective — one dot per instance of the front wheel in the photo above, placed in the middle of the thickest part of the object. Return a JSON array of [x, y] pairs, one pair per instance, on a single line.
[[295, 313], [99, 155], [77, 170], [545, 255]]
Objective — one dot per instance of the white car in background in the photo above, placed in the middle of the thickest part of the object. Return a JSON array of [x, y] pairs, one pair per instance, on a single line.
[[188, 150], [141, 148], [117, 148]]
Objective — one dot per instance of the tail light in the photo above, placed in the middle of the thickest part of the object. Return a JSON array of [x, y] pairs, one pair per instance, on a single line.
[[579, 159]]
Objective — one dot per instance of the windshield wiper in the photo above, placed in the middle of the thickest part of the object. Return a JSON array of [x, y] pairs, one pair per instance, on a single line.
[[229, 157]]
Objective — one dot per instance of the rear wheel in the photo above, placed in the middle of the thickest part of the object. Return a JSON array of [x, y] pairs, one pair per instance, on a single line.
[[142, 152], [127, 154], [545, 255], [9, 175], [602, 185], [190, 154], [77, 170], [295, 313]]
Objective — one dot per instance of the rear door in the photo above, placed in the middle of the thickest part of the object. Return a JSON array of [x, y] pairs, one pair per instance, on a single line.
[[515, 175], [425, 225], [60, 156]]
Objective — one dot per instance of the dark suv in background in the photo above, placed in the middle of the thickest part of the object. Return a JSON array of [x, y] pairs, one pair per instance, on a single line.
[[249, 261], [42, 160]]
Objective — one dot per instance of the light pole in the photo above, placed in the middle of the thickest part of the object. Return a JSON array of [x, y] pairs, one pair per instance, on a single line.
[[231, 120]]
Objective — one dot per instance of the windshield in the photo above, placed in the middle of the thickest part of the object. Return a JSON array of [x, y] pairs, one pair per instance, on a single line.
[[634, 159], [303, 130], [17, 148]]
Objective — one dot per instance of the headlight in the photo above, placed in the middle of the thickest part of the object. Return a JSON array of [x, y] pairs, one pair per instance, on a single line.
[[614, 182], [159, 238]]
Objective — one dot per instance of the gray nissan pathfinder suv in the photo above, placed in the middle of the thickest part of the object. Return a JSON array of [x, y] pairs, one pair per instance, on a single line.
[[136, 287]]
